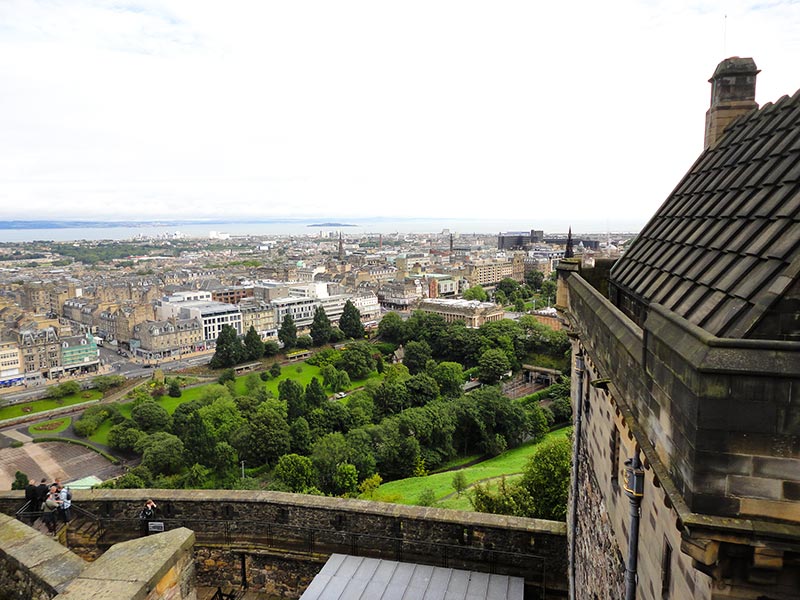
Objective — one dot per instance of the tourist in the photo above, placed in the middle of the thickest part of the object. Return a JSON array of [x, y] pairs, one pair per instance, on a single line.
[[31, 504], [41, 493], [50, 507], [65, 498], [147, 513]]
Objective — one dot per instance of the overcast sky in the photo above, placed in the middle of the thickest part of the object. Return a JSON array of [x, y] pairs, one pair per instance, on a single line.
[[191, 109]]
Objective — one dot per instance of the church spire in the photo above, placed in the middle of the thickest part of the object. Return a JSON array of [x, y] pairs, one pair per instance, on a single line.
[[569, 252]]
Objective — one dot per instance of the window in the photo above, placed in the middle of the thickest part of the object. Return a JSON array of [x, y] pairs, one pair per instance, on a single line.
[[615, 443], [666, 569]]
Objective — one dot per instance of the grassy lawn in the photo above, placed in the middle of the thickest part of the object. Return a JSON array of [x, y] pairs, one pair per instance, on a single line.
[[51, 427], [408, 491], [16, 410]]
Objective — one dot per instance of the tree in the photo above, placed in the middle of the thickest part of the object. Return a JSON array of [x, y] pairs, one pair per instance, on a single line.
[[229, 349], [271, 348], [174, 390], [357, 360], [295, 472], [392, 328], [476, 292], [459, 482], [20, 481], [287, 334], [416, 356], [519, 305], [225, 376], [546, 479], [350, 321], [268, 436], [450, 377], [508, 286], [321, 328], [162, 453], [328, 452], [198, 440], [345, 480], [534, 279], [151, 417], [253, 346], [103, 383], [370, 485], [124, 436], [549, 290], [422, 389], [300, 436], [315, 396], [340, 381], [291, 392], [275, 370], [304, 341], [492, 365]]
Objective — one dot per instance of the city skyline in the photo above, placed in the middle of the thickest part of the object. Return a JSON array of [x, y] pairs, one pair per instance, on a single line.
[[165, 110]]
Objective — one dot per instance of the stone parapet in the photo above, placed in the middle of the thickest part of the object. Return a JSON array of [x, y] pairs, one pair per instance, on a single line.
[[33, 566]]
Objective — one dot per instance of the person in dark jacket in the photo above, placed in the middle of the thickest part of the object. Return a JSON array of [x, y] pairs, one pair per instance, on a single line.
[[41, 492], [32, 500]]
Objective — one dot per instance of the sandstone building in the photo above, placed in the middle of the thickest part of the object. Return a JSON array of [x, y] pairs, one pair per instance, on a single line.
[[686, 390]]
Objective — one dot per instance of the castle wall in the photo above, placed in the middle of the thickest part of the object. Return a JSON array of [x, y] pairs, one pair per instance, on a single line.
[[305, 530]]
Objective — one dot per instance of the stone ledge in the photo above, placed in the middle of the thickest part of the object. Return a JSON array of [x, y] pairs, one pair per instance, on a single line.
[[130, 570], [44, 558], [217, 497]]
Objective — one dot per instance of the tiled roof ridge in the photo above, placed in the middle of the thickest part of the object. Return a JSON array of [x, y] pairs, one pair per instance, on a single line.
[[719, 251]]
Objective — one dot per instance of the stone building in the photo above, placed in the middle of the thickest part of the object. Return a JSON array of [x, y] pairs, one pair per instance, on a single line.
[[259, 315], [686, 386], [41, 351], [473, 312], [173, 337]]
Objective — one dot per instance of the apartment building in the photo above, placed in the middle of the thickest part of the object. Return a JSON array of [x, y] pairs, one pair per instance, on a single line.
[[154, 340], [11, 369], [472, 312], [41, 351], [79, 354]]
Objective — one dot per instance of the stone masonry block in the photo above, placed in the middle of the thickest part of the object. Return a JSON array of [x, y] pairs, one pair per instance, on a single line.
[[778, 468], [755, 487], [774, 509]]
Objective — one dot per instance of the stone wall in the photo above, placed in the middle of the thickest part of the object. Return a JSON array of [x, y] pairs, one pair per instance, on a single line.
[[36, 567], [310, 528], [159, 567], [33, 566]]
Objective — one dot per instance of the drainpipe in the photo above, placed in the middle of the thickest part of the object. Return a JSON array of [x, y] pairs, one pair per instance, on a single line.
[[634, 488], [576, 441]]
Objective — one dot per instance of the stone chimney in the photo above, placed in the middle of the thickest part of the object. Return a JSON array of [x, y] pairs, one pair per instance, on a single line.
[[733, 93]]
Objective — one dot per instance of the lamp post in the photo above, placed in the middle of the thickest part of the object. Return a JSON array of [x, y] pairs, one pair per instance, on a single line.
[[242, 469]]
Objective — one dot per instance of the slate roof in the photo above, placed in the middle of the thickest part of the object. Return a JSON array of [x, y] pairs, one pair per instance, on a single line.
[[724, 248], [358, 578]]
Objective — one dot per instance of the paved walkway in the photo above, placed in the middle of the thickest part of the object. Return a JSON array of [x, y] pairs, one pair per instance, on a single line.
[[66, 461]]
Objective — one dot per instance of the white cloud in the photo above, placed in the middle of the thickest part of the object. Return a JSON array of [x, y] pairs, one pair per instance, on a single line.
[[185, 108]]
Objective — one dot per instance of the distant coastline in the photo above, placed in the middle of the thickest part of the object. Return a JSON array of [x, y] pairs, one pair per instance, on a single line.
[[331, 225]]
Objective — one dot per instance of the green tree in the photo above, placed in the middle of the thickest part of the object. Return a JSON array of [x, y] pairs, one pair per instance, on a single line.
[[321, 328], [20, 481], [546, 479], [295, 472], [229, 349], [328, 452], [450, 377], [174, 389], [476, 292], [253, 346], [225, 462], [492, 365], [225, 376], [124, 436], [392, 328], [267, 437], [345, 480], [416, 356], [534, 279], [357, 360], [340, 381], [275, 370], [508, 286], [103, 383], [370, 485], [549, 290], [150, 417], [271, 348], [287, 334], [300, 436], [162, 453], [198, 440], [291, 392], [315, 396], [350, 321], [422, 389], [459, 482]]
